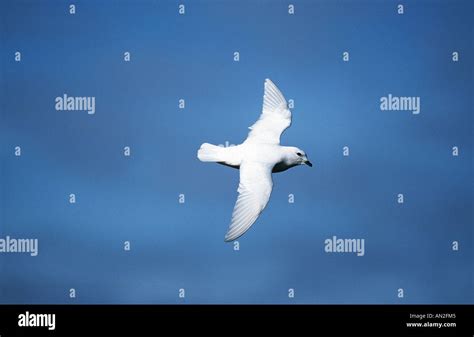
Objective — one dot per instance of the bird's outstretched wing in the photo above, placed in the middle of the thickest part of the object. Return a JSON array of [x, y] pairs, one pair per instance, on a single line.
[[275, 117], [254, 190]]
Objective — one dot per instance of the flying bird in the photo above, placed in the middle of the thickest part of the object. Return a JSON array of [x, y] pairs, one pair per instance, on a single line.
[[257, 158]]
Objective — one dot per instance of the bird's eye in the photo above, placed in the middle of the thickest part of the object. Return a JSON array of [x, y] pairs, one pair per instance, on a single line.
[[298, 153]]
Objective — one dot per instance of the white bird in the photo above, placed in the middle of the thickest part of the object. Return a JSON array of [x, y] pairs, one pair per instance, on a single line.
[[257, 157]]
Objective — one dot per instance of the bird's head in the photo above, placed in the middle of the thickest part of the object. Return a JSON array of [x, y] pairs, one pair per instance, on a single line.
[[299, 157]]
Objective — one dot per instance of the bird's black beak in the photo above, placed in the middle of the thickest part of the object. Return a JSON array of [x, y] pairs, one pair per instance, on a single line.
[[308, 163]]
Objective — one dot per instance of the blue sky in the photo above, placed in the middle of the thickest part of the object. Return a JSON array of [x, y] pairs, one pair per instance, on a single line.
[[181, 245]]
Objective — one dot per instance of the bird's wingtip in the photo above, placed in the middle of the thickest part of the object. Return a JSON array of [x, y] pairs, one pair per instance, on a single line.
[[229, 238]]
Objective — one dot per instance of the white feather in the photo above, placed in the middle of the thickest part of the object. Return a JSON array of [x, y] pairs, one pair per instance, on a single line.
[[255, 188], [275, 117]]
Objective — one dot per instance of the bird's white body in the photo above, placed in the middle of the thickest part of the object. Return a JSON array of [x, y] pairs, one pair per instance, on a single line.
[[257, 158], [280, 158]]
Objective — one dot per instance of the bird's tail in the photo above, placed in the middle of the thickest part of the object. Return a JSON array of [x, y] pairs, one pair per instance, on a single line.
[[213, 153]]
